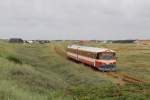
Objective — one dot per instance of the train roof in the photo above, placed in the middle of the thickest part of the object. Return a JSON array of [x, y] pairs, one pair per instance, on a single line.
[[90, 49]]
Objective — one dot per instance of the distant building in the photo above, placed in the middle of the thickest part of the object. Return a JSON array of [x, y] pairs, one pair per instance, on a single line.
[[43, 41], [96, 41], [107, 41], [40, 41], [16, 40], [123, 41], [28, 41]]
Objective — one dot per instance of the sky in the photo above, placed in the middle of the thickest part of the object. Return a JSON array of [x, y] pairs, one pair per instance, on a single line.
[[75, 19]]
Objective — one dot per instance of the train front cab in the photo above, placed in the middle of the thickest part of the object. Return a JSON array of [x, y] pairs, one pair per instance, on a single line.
[[106, 61]]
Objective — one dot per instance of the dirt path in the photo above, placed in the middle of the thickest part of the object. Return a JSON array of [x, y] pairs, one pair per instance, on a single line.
[[126, 78]]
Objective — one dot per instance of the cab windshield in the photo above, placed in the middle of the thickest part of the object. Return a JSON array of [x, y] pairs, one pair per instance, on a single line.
[[106, 56]]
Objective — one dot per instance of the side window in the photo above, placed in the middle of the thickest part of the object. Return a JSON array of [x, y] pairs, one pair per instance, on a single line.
[[91, 55], [97, 56], [114, 54], [72, 50], [88, 54], [69, 49]]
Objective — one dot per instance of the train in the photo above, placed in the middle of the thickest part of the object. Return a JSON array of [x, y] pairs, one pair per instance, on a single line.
[[102, 59]]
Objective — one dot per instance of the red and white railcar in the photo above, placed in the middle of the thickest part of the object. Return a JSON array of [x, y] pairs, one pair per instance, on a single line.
[[101, 58]]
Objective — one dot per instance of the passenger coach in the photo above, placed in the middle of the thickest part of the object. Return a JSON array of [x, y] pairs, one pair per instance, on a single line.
[[101, 58]]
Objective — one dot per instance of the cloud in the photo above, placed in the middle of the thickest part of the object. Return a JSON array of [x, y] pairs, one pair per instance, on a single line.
[[89, 19]]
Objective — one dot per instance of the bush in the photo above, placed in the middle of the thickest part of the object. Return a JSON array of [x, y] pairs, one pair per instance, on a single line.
[[14, 59]]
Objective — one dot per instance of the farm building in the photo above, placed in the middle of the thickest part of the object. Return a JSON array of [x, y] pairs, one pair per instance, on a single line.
[[16, 40], [123, 41]]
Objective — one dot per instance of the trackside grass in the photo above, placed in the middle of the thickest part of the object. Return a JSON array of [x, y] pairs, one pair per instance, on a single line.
[[39, 72]]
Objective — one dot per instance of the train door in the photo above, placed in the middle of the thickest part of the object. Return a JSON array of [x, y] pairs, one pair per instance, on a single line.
[[77, 52], [94, 59]]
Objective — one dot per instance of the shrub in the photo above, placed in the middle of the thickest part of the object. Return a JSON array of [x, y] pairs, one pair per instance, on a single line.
[[14, 59]]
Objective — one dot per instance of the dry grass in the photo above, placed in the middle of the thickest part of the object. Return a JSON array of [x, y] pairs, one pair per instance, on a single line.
[[41, 72]]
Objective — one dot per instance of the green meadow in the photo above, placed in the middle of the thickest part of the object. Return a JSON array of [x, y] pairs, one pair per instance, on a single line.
[[42, 72]]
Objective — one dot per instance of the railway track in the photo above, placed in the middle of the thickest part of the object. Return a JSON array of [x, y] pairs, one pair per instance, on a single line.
[[60, 52], [126, 78], [117, 75]]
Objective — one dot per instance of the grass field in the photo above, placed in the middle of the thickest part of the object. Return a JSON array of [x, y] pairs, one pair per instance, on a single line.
[[42, 72]]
